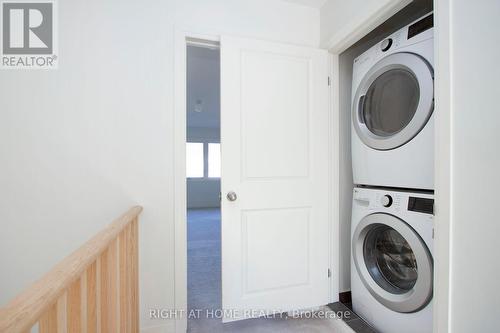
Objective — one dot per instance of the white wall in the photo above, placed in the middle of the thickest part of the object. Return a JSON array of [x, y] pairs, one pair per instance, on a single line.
[[345, 170], [336, 14], [348, 20], [203, 193], [81, 144], [469, 53], [203, 85]]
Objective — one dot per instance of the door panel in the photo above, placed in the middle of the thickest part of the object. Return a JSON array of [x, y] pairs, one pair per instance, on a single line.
[[263, 266], [275, 157], [268, 80]]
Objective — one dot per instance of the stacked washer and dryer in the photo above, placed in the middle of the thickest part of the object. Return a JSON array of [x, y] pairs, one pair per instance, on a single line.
[[393, 167]]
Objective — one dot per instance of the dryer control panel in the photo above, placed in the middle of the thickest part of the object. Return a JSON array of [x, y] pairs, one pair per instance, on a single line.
[[420, 26], [414, 33]]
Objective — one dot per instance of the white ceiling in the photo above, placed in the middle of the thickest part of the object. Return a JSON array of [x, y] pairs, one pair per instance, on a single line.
[[309, 3]]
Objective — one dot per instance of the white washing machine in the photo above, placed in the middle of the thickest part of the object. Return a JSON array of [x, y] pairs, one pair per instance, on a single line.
[[392, 259], [392, 107]]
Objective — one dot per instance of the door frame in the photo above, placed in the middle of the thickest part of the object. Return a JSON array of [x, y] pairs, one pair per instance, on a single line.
[[443, 172], [181, 40]]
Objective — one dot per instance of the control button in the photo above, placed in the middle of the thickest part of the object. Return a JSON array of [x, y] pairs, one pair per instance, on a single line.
[[386, 44], [386, 201]]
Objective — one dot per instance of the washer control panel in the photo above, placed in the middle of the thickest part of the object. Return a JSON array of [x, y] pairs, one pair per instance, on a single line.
[[421, 205], [386, 200], [393, 201], [386, 44]]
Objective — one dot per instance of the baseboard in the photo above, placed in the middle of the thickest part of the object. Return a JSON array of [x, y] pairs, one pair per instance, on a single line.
[[166, 328], [345, 297], [352, 321], [204, 207]]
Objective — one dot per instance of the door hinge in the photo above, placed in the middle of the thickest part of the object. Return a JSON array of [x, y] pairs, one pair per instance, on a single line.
[[432, 233], [329, 272], [329, 81]]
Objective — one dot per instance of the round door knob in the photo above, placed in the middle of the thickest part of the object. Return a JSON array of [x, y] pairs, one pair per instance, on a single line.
[[231, 196], [386, 201]]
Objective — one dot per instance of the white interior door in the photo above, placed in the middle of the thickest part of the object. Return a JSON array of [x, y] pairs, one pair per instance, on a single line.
[[275, 158]]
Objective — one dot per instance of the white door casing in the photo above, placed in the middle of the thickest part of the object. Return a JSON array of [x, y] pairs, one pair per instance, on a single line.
[[275, 157]]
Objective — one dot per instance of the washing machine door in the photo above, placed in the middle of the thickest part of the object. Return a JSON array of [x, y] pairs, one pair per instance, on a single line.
[[393, 262], [394, 101]]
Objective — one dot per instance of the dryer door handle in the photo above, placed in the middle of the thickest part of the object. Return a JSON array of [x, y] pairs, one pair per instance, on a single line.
[[361, 106]]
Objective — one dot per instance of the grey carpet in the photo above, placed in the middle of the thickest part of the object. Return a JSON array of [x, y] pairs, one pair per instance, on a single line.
[[204, 260], [204, 285]]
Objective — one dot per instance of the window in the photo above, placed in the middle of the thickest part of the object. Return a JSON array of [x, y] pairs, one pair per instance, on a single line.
[[194, 160], [214, 160], [203, 160]]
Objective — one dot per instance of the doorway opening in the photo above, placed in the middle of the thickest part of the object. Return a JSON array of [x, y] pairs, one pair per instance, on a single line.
[[276, 234], [203, 172]]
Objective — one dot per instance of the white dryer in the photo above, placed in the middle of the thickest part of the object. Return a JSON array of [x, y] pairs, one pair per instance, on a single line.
[[392, 259], [392, 107]]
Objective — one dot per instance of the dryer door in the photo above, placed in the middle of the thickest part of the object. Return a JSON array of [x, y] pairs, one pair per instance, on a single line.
[[394, 101], [393, 262]]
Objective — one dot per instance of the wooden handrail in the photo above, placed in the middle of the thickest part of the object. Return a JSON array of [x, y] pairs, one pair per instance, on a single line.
[[94, 287]]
